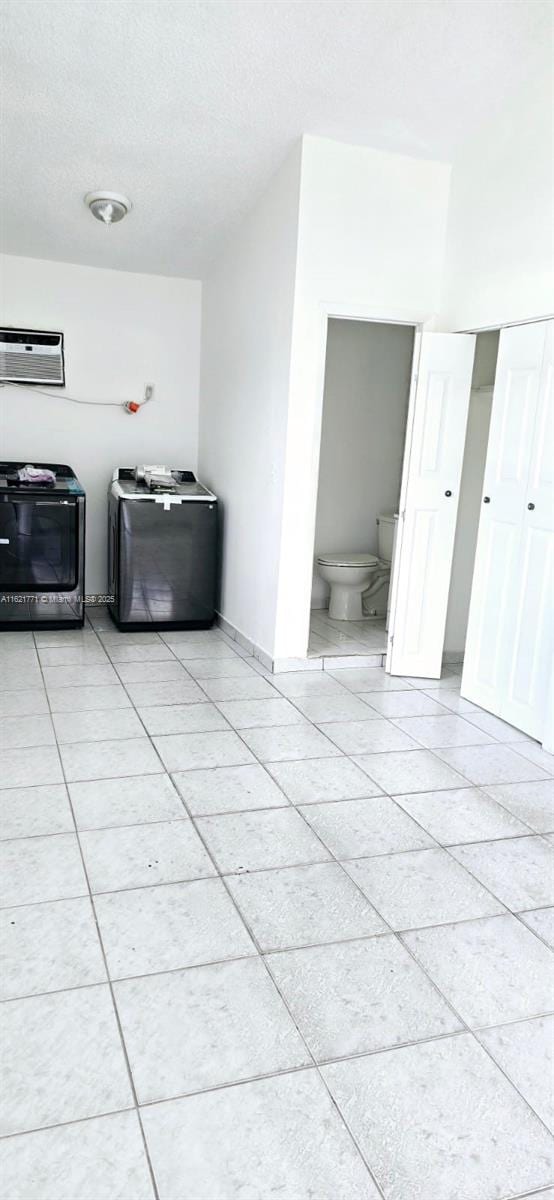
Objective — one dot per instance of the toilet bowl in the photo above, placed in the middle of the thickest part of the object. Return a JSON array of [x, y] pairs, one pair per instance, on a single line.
[[356, 579], [348, 575]]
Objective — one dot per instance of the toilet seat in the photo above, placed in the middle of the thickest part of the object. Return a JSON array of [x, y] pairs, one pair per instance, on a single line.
[[348, 560]]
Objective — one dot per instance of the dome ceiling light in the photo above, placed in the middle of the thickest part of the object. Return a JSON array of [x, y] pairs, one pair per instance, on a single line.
[[108, 207]]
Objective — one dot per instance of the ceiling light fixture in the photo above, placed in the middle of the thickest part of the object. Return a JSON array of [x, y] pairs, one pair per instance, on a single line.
[[108, 207]]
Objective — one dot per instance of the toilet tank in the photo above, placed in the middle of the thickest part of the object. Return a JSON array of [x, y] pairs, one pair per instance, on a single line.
[[386, 526]]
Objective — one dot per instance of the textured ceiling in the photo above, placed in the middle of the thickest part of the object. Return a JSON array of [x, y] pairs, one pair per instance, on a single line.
[[189, 107]]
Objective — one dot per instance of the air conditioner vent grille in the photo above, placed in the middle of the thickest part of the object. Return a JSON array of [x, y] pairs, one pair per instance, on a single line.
[[31, 356]]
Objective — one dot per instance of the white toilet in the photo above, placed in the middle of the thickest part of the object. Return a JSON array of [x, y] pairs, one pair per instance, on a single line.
[[355, 578]]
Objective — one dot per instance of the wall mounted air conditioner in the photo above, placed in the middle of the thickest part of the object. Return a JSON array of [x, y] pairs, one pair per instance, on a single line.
[[31, 356]]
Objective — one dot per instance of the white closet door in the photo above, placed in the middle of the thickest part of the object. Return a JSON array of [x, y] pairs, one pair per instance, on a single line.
[[508, 647], [429, 503]]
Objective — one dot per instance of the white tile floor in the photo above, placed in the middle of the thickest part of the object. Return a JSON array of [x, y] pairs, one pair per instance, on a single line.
[[267, 936], [335, 638]]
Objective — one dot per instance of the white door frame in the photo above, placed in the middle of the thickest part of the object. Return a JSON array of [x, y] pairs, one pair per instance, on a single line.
[[347, 311]]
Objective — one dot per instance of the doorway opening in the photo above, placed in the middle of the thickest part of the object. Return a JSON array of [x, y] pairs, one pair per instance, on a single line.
[[368, 371]]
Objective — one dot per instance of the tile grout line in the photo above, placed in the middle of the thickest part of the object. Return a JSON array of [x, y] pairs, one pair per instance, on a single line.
[[111, 990], [287, 806]]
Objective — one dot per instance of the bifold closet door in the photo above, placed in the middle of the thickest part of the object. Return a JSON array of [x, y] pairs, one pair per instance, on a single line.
[[433, 459], [508, 654]]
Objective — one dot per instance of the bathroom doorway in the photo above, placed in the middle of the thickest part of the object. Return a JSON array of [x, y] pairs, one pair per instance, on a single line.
[[368, 371]]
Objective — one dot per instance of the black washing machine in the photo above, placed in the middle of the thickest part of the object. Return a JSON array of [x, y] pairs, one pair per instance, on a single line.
[[42, 547], [163, 548]]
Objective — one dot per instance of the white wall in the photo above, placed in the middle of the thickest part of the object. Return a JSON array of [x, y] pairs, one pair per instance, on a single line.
[[121, 331], [370, 243], [499, 262], [367, 380], [471, 491], [246, 340]]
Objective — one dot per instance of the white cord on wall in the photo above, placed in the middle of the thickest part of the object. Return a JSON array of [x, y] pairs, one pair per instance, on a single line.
[[131, 406]]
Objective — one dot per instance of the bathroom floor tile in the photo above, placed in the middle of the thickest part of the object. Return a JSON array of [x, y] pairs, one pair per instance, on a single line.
[[188, 751], [461, 815], [97, 726], [491, 970], [104, 803], [519, 871], [284, 1135], [28, 812], [99, 1159], [313, 780], [524, 1052], [540, 922], [370, 679], [422, 887], [289, 742], [62, 1059], [29, 766], [443, 1115], [141, 855], [258, 714], [17, 732], [303, 906], [368, 737], [447, 730], [491, 764], [107, 760], [30, 703], [182, 718], [228, 789], [409, 771], [174, 925], [254, 841], [40, 868], [335, 708], [307, 684], [172, 1022], [533, 802], [87, 699], [49, 947], [359, 996], [364, 827]]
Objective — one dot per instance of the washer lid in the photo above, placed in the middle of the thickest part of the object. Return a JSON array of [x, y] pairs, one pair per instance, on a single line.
[[347, 560]]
